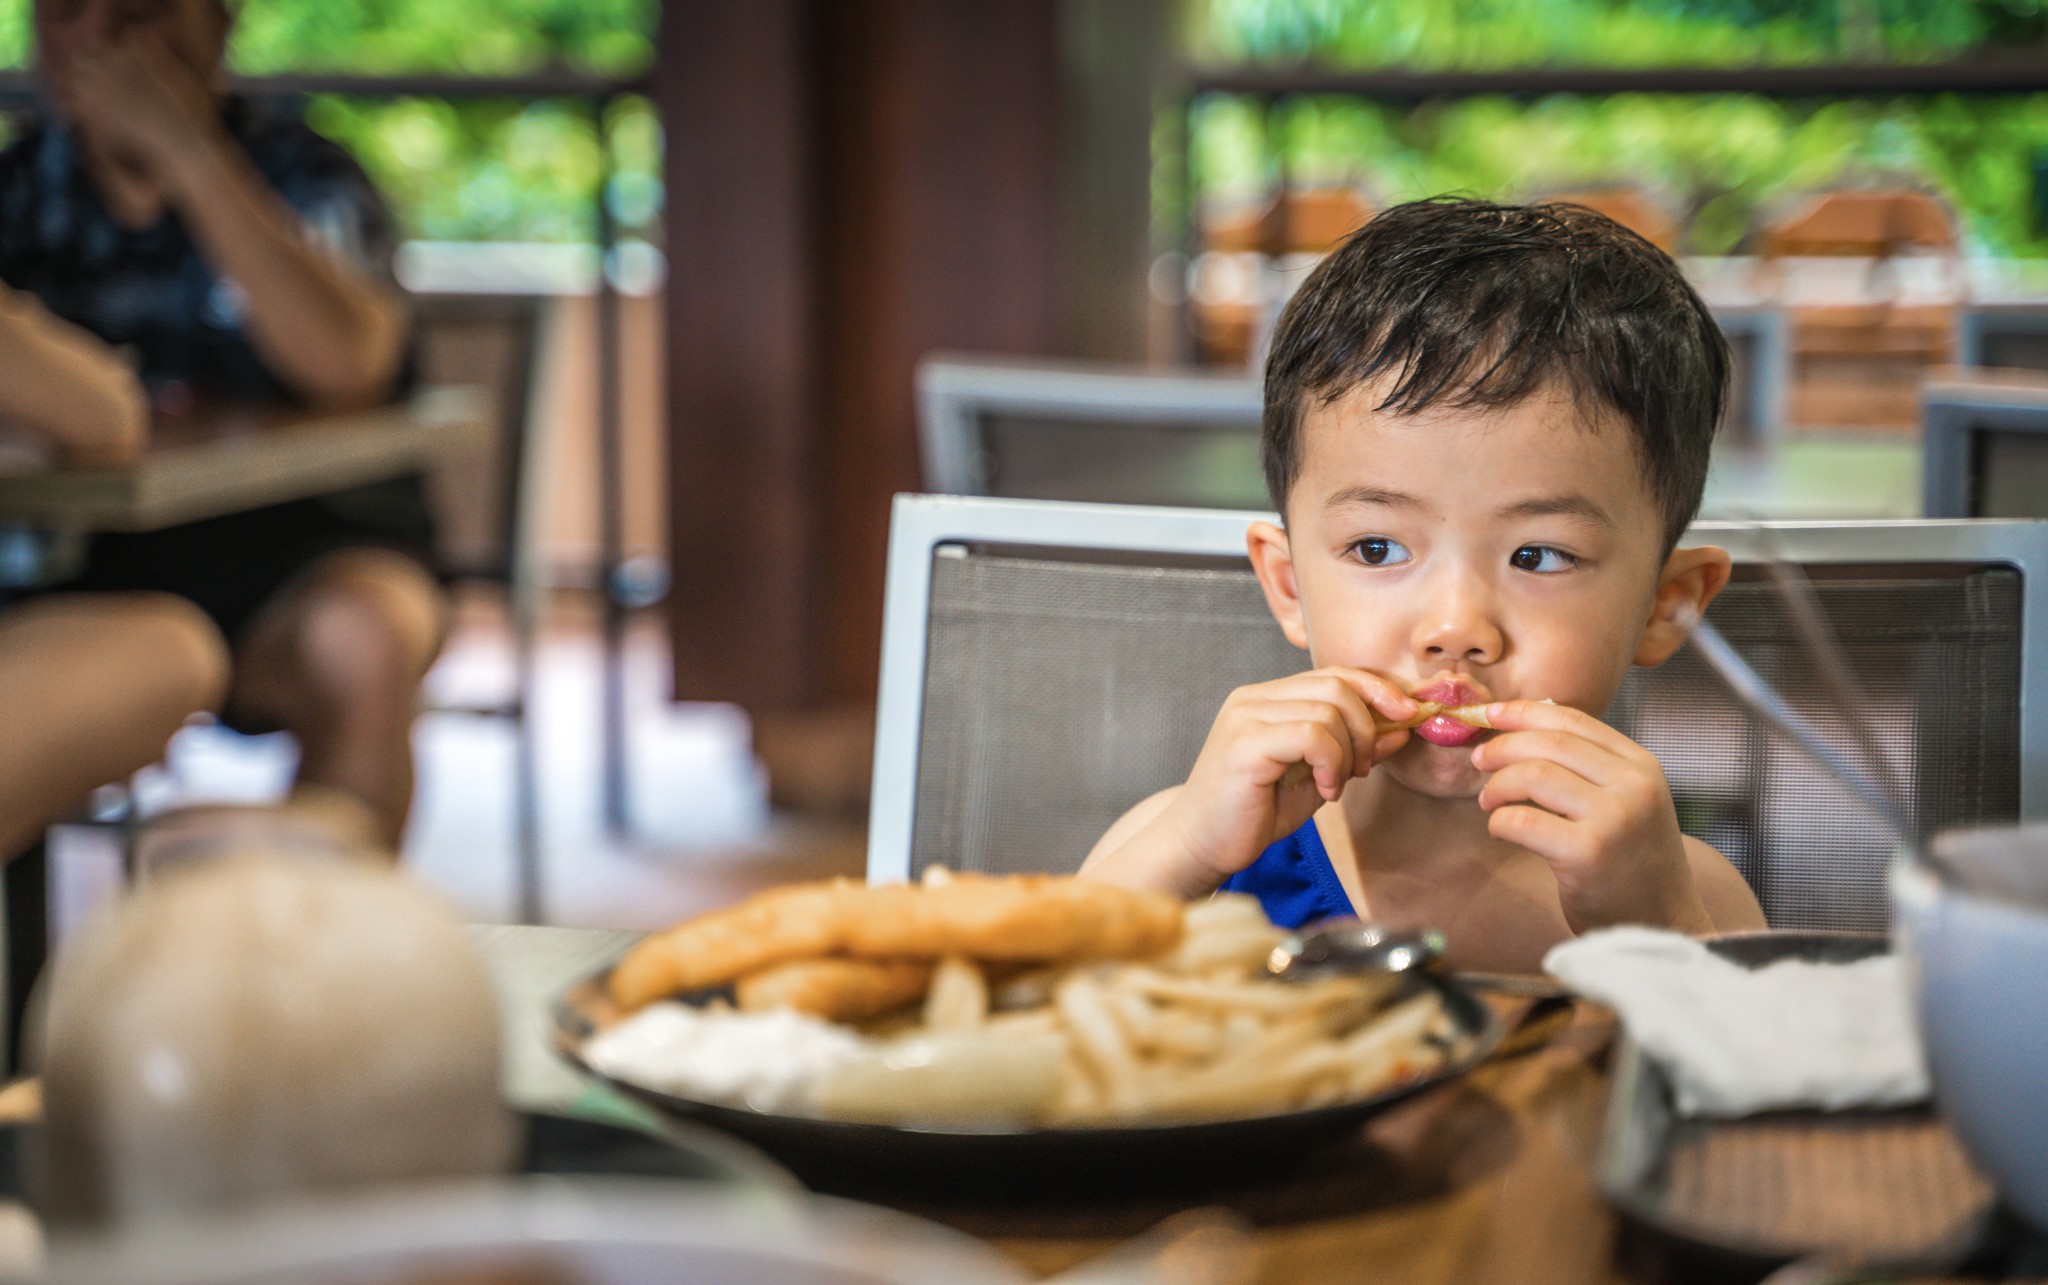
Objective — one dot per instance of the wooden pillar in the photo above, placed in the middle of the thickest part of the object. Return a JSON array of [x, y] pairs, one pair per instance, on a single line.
[[852, 184], [735, 96]]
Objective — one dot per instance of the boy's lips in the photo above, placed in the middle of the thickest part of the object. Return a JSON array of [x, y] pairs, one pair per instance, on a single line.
[[1444, 730]]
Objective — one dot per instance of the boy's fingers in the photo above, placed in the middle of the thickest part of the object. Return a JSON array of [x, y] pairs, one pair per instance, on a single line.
[[1350, 718], [1568, 749], [1544, 833], [1283, 745], [1542, 716], [1544, 784], [1380, 692]]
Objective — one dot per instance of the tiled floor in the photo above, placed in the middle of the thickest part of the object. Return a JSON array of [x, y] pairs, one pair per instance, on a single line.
[[702, 833]]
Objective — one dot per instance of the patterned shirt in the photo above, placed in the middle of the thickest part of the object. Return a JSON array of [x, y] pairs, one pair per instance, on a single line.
[[150, 291]]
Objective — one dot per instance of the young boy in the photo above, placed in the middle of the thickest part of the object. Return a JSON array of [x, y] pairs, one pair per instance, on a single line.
[[1486, 428]]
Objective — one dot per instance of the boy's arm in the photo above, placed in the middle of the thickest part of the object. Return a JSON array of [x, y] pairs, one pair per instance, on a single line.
[[332, 334], [1729, 899], [1127, 855], [67, 387]]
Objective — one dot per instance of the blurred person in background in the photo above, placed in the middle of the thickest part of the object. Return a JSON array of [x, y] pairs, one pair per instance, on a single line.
[[238, 256], [91, 686]]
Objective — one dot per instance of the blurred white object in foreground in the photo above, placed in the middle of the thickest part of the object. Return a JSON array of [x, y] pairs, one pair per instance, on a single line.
[[258, 1027], [1975, 935]]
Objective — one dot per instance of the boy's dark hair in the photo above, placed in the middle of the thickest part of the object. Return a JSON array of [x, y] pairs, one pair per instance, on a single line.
[[1473, 305]]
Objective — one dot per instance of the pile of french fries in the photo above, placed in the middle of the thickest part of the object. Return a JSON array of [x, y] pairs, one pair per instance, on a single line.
[[1200, 1033]]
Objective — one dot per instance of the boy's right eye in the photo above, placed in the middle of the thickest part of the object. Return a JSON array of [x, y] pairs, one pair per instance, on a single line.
[[1378, 551]]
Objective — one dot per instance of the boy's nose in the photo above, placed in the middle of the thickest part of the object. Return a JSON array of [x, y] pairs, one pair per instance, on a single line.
[[1458, 627]]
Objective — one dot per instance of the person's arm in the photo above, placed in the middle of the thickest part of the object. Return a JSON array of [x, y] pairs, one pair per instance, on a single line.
[[67, 387], [331, 333]]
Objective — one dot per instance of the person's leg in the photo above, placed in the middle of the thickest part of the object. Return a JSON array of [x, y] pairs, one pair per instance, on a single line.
[[335, 657], [91, 688]]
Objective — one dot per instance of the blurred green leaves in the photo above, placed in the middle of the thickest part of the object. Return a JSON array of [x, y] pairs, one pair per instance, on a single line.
[[1473, 34], [1718, 162], [501, 170], [473, 37]]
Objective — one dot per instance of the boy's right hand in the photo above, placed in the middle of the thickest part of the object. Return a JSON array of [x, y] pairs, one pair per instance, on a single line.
[[1245, 791]]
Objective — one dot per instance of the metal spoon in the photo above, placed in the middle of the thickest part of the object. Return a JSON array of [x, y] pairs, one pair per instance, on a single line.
[[1353, 946]]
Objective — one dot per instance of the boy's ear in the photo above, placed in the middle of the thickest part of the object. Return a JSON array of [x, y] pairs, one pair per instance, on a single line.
[[1692, 578], [1273, 560]]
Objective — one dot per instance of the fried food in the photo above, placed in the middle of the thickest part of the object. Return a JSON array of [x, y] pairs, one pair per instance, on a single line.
[[1038, 919], [838, 990], [1194, 1030], [958, 999], [794, 922]]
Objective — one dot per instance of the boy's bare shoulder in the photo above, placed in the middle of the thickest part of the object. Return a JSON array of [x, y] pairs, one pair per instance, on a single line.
[[1722, 888], [1142, 814]]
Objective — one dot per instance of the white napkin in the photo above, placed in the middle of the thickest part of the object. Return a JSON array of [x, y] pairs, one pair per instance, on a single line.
[[1736, 1041]]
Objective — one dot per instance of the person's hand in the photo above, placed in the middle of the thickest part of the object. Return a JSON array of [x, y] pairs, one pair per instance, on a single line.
[[1247, 788], [1596, 806], [140, 106]]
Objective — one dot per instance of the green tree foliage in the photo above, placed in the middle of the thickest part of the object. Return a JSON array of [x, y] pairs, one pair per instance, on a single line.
[[1718, 162], [1471, 34]]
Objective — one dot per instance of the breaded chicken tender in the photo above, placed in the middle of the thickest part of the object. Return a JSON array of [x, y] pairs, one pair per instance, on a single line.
[[836, 989], [1010, 918], [1039, 919], [794, 922]]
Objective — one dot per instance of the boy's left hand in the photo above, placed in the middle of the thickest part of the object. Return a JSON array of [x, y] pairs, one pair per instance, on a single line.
[[1596, 806]]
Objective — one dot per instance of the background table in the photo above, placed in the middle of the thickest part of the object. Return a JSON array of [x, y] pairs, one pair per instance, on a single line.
[[231, 459]]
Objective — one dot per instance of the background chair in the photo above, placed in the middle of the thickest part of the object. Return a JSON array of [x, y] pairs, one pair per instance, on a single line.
[[1985, 449], [1086, 431], [1045, 666]]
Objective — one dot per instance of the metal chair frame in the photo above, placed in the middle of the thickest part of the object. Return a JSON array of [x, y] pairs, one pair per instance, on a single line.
[[1955, 414], [957, 394], [921, 524]]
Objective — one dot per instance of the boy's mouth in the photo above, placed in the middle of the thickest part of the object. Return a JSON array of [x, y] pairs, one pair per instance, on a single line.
[[1444, 730]]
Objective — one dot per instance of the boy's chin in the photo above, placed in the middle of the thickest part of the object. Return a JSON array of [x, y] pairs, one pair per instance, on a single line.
[[1436, 771]]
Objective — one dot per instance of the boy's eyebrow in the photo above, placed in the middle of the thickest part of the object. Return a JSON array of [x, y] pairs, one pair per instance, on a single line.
[[1363, 495], [1570, 506]]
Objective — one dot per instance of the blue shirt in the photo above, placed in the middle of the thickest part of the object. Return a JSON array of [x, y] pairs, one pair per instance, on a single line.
[[1294, 880]]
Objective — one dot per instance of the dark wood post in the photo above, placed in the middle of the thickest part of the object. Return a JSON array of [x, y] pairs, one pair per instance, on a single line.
[[852, 184]]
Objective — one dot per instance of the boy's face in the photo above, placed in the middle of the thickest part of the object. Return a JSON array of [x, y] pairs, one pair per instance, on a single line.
[[1476, 555]]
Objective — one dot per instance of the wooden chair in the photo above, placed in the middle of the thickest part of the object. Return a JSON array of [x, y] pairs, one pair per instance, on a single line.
[[1861, 364]]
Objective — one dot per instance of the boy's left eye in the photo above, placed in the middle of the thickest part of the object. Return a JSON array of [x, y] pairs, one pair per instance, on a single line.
[[1542, 560]]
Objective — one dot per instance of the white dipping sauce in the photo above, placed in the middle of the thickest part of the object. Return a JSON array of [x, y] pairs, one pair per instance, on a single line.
[[769, 1061]]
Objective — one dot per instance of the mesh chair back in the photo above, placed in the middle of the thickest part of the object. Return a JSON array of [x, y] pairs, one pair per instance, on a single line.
[[1062, 687]]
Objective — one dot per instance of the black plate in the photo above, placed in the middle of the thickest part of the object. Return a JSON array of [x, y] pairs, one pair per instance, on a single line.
[[832, 1152], [1755, 1155]]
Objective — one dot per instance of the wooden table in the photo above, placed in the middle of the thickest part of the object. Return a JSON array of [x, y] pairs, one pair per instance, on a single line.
[[1488, 1179], [231, 459]]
